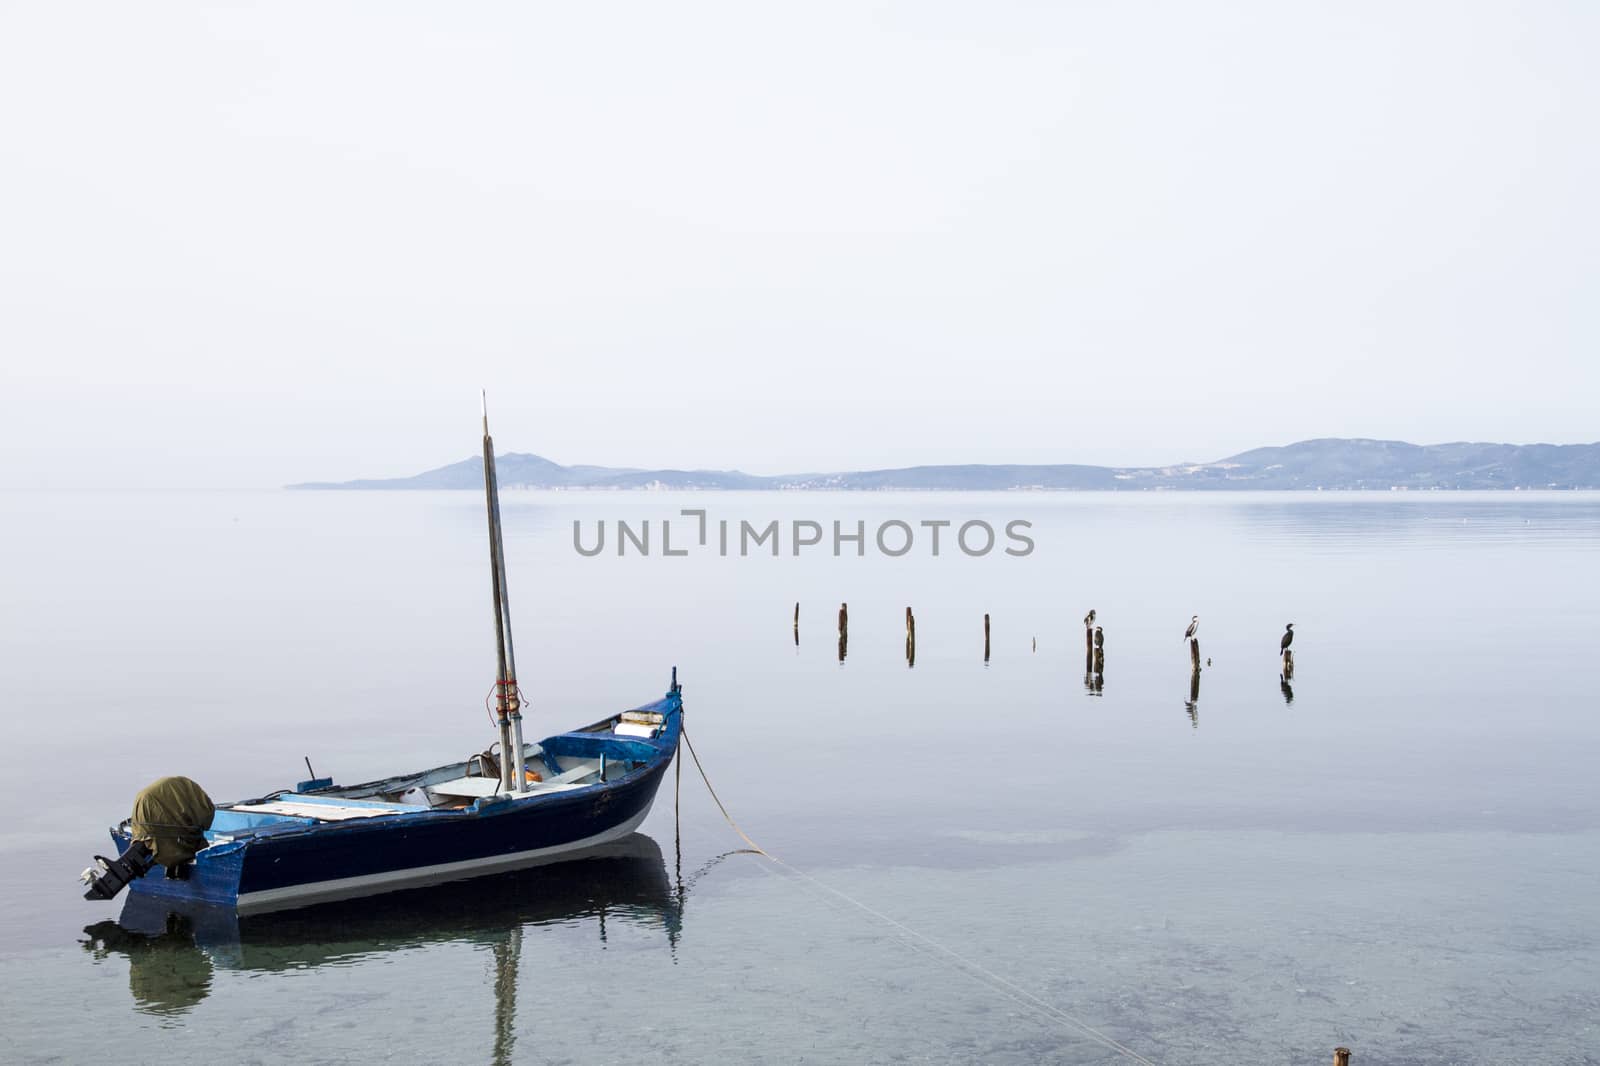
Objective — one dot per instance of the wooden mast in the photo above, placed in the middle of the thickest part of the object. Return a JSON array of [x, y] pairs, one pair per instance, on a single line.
[[508, 715]]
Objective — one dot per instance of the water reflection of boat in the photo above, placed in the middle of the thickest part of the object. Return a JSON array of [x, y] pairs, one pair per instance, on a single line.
[[175, 946]]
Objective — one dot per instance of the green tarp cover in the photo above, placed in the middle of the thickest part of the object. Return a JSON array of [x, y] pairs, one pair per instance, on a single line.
[[170, 816]]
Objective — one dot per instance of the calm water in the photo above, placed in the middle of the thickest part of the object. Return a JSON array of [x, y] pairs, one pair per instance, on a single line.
[[1401, 853]]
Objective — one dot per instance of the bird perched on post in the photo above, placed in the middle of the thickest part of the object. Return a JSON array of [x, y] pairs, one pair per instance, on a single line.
[[1288, 638], [1194, 627], [1099, 638], [1088, 619]]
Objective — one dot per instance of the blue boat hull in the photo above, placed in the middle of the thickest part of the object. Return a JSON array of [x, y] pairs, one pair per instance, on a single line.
[[298, 862]]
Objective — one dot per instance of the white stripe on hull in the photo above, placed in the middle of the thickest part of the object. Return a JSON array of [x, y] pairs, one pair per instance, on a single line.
[[272, 899]]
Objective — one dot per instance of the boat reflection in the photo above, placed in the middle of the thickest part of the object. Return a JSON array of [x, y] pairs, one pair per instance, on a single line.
[[173, 950]]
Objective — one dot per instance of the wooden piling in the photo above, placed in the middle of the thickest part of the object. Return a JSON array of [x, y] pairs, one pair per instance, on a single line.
[[1088, 639], [1341, 1056], [1288, 664], [1194, 653], [797, 615], [985, 638]]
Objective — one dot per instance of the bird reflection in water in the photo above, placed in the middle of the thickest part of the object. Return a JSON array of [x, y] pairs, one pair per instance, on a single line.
[[1094, 658], [1192, 704], [1286, 661], [173, 948]]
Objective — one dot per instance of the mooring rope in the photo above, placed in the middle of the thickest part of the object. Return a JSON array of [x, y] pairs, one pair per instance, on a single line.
[[1015, 992], [742, 834]]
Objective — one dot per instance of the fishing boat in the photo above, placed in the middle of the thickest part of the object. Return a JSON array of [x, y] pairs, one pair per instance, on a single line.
[[521, 805]]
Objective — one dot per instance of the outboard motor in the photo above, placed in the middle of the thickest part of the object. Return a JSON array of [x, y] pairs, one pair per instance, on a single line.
[[168, 827], [107, 877]]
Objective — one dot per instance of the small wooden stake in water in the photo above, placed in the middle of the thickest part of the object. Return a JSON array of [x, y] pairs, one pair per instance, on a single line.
[[1341, 1056], [1194, 653], [985, 638]]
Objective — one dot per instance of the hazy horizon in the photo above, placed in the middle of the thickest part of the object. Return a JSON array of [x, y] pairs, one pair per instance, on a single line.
[[501, 449], [251, 247]]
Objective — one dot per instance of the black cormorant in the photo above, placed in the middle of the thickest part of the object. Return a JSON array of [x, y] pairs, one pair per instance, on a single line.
[[1194, 626], [1088, 619], [1288, 639], [1099, 637]]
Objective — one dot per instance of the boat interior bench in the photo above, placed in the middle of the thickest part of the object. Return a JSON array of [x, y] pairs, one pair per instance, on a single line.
[[303, 808], [478, 787]]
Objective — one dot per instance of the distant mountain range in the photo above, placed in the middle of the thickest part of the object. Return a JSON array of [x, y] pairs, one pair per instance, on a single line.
[[1329, 463]]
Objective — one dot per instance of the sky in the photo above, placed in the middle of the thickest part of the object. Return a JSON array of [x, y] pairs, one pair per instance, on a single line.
[[253, 244]]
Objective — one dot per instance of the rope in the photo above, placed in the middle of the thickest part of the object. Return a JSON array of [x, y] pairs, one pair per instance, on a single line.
[[513, 699], [757, 848], [1007, 988]]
